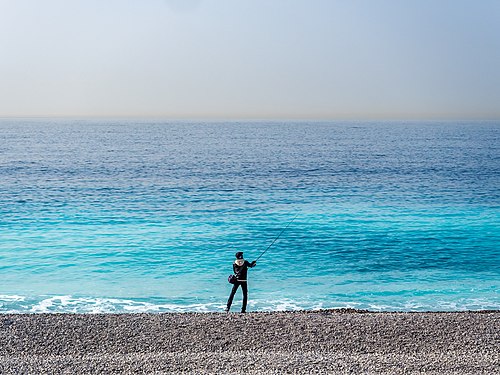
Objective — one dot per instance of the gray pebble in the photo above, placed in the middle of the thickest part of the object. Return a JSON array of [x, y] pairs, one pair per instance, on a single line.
[[315, 342]]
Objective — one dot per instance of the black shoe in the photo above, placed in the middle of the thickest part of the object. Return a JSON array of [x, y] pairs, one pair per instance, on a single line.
[[226, 310], [243, 312]]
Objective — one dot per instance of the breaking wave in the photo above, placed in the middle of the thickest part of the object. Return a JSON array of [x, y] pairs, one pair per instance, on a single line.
[[15, 304]]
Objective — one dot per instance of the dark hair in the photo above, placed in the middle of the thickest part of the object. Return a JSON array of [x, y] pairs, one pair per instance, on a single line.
[[239, 255]]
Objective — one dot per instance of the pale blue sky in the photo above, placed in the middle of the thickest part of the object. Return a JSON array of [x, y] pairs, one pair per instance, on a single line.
[[306, 59]]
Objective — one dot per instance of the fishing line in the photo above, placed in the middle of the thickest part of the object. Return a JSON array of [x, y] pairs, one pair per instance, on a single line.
[[277, 237]]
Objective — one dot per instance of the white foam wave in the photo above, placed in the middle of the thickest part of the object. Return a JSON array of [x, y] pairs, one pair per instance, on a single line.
[[69, 304], [93, 305], [285, 304], [11, 298]]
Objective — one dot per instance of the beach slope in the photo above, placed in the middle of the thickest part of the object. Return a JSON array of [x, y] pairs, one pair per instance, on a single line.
[[328, 341]]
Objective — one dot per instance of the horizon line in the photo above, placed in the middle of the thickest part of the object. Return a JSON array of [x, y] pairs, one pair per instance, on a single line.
[[252, 118]]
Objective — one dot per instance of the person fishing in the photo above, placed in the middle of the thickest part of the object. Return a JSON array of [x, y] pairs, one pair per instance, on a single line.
[[240, 269]]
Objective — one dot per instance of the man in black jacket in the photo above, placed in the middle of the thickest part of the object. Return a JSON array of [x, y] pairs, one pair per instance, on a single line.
[[240, 268]]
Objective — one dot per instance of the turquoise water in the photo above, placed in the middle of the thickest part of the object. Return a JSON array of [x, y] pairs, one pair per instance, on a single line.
[[138, 215]]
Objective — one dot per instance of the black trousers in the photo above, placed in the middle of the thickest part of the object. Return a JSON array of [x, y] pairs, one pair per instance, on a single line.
[[244, 289]]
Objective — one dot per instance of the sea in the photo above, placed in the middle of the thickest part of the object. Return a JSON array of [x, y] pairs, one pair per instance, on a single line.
[[145, 215]]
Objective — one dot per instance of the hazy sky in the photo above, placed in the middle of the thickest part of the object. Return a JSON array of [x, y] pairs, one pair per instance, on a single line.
[[250, 58]]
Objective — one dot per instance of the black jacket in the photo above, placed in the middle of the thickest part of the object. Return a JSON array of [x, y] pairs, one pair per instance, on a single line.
[[241, 271]]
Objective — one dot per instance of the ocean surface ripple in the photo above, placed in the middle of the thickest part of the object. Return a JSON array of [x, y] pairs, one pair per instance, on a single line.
[[146, 215]]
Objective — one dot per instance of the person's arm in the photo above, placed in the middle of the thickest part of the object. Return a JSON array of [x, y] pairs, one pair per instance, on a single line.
[[251, 265]]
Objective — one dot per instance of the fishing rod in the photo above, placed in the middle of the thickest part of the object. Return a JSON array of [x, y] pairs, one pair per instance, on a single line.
[[277, 237]]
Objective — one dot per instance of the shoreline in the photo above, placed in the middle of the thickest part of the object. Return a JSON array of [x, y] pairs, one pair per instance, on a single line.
[[235, 311], [320, 341]]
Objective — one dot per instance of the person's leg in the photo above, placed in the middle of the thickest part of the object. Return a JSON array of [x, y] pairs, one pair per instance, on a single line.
[[231, 296], [244, 288]]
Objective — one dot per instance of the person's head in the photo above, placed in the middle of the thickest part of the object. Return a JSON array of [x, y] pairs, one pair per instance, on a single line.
[[239, 255]]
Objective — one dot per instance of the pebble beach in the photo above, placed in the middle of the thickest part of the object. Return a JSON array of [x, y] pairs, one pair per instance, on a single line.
[[312, 342]]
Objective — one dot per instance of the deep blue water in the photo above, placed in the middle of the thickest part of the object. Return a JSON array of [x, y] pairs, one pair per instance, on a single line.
[[138, 215]]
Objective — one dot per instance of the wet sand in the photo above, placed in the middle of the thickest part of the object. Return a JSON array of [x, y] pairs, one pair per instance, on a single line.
[[319, 342]]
